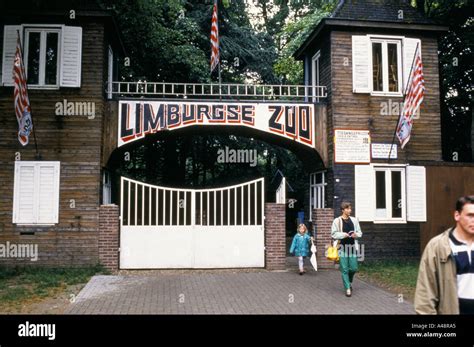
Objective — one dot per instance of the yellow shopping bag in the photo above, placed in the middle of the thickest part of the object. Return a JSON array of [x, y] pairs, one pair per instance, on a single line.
[[332, 252]]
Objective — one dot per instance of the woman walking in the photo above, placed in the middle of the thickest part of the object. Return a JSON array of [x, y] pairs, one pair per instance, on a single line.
[[347, 229]]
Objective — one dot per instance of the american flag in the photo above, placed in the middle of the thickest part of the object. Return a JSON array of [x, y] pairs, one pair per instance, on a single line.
[[413, 99], [22, 103], [214, 39]]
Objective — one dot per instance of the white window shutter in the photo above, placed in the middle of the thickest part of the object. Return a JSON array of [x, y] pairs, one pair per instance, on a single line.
[[409, 47], [364, 193], [36, 192], [416, 193], [9, 48], [71, 56], [360, 63], [110, 73], [23, 199], [48, 193]]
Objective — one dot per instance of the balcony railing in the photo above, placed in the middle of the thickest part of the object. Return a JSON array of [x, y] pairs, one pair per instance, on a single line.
[[224, 91]]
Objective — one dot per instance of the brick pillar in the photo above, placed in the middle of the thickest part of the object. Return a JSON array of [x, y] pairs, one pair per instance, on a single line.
[[109, 236], [275, 242], [322, 220]]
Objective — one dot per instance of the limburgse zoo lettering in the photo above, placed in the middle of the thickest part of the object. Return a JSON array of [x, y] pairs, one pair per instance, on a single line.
[[293, 121]]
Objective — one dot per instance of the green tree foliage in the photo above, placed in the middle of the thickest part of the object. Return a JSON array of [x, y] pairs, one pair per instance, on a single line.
[[289, 22], [456, 56], [292, 37], [168, 40], [161, 41]]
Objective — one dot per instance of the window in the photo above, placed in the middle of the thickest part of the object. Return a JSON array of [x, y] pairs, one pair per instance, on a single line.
[[52, 55], [390, 193], [106, 188], [386, 66], [317, 183], [36, 192], [315, 73], [381, 64], [41, 55]]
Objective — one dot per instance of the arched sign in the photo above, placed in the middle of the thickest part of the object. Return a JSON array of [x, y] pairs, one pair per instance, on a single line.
[[138, 118]]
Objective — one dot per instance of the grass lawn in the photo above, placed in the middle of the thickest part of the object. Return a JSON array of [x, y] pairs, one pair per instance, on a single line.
[[396, 276], [22, 286]]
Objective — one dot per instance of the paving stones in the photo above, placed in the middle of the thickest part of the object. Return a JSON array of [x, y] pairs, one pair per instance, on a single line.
[[232, 292]]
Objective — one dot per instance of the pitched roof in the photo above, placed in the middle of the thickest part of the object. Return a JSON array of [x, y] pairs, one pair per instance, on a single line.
[[380, 11], [373, 14]]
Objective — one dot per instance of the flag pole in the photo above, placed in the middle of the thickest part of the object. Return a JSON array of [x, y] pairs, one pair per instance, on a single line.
[[404, 98], [37, 156], [219, 54], [220, 79]]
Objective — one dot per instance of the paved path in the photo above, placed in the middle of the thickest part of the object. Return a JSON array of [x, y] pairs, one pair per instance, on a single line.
[[232, 292]]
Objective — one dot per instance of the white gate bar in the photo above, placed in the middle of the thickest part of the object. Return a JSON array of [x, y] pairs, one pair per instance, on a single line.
[[164, 206], [222, 207], [143, 205], [242, 204], [201, 209], [207, 209], [255, 200], [171, 207], [149, 207], [121, 198], [184, 204], [136, 203], [193, 208], [248, 202], [129, 200], [156, 197], [178, 196]]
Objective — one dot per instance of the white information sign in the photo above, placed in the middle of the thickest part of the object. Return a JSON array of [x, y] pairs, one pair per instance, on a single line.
[[352, 146]]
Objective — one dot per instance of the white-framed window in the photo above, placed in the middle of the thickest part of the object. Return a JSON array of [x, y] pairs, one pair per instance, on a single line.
[[315, 72], [317, 190], [106, 188], [386, 62], [381, 64], [390, 199], [41, 56], [52, 55], [390, 193], [36, 192]]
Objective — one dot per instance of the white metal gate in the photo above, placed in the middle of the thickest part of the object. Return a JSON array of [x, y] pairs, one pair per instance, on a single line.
[[163, 227]]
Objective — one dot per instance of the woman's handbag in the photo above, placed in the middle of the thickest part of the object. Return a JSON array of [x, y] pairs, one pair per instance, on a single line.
[[332, 252]]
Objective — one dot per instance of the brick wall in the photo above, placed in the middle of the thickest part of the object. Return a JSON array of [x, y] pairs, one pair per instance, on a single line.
[[390, 241], [109, 236], [275, 251], [322, 220]]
